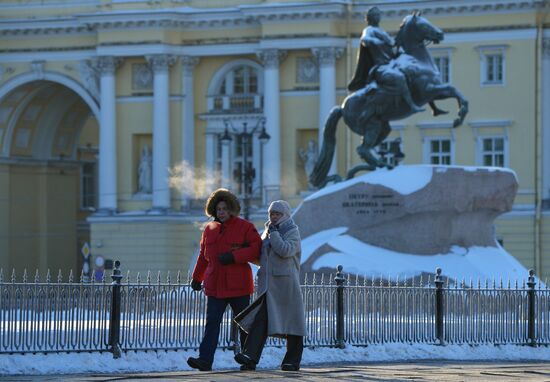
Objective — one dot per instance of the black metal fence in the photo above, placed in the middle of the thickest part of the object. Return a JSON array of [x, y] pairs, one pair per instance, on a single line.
[[167, 315]]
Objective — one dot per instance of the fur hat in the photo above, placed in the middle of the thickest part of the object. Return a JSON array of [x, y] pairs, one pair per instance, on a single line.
[[222, 195], [280, 206]]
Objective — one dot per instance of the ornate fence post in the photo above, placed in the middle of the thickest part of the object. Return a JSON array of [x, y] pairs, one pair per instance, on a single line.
[[439, 308], [114, 317], [340, 281], [531, 335]]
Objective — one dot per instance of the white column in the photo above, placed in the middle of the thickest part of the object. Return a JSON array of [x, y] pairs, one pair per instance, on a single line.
[[226, 165], [272, 150], [161, 131], [210, 162], [188, 123], [327, 89], [107, 136], [256, 153], [545, 109]]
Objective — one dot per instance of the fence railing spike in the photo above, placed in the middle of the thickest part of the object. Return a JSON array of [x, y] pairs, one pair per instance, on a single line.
[[1, 275], [24, 275], [138, 278], [158, 277], [36, 277], [178, 278], [59, 277], [70, 276], [48, 276], [168, 278], [148, 280]]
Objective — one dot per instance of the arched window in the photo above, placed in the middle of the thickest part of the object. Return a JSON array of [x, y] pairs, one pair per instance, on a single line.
[[235, 93], [237, 90]]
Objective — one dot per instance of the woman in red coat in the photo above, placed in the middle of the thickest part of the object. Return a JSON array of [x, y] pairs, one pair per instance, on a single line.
[[228, 243]]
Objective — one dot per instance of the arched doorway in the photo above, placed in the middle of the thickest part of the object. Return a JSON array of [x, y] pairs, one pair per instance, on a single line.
[[49, 138]]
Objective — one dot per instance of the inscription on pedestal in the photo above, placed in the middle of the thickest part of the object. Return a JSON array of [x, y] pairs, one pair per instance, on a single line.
[[370, 204]]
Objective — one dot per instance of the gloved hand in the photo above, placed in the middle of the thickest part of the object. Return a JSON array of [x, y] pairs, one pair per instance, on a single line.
[[226, 258], [272, 228], [196, 285]]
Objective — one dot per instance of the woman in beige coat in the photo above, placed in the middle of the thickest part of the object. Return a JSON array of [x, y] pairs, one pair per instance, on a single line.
[[279, 309]]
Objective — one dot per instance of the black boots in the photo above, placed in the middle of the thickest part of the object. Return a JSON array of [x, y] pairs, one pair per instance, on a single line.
[[197, 363]]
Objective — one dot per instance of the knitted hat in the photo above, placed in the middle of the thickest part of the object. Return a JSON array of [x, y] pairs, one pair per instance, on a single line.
[[280, 206]]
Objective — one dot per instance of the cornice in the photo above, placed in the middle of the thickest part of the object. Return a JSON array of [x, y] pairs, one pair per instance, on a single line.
[[399, 9], [187, 18]]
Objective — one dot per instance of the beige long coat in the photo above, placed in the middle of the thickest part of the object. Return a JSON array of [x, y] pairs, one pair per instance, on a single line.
[[279, 283]]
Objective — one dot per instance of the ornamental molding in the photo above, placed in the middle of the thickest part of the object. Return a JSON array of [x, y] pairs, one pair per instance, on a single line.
[[187, 18], [5, 70], [450, 7], [90, 72], [327, 56], [271, 58], [188, 63], [108, 64], [38, 68], [161, 62]]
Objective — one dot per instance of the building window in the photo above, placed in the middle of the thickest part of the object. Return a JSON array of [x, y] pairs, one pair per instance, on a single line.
[[493, 64], [236, 153], [494, 69], [492, 151], [443, 65], [238, 91], [440, 151], [88, 186]]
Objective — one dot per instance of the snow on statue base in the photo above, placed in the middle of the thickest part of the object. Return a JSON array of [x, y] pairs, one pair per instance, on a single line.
[[411, 220]]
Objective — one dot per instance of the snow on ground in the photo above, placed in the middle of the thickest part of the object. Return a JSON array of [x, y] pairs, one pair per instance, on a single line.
[[357, 257], [79, 363]]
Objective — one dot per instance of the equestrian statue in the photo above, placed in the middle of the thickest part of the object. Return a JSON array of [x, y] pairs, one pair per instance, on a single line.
[[392, 80]]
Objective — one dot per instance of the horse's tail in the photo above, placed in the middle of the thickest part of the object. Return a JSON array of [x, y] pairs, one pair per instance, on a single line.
[[319, 174]]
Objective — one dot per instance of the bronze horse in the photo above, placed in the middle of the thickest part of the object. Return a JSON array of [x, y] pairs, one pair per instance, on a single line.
[[367, 112]]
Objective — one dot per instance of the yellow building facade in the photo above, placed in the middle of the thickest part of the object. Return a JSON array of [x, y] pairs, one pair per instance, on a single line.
[[118, 117]]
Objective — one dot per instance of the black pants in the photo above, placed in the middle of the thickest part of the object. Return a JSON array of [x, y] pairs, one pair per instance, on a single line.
[[215, 309], [255, 342]]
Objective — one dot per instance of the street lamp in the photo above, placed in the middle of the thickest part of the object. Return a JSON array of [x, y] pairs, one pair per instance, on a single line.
[[247, 173]]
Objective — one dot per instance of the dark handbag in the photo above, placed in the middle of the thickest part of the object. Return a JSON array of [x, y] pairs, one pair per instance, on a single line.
[[246, 317]]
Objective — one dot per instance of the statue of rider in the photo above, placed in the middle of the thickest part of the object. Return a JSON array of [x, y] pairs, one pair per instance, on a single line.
[[374, 62]]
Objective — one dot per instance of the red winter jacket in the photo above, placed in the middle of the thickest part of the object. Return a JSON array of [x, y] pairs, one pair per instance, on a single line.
[[241, 238]]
